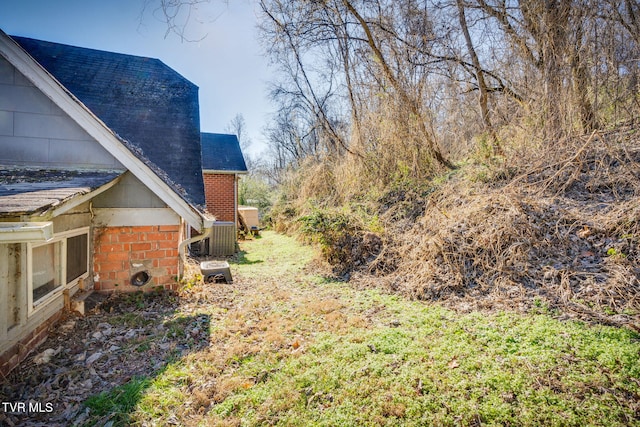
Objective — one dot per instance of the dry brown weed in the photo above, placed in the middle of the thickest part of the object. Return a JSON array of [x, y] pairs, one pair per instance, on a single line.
[[562, 234]]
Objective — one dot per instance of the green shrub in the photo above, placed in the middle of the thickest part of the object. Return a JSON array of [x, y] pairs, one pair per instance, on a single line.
[[343, 237]]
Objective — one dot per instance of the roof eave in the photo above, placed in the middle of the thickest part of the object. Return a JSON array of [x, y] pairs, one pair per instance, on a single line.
[[224, 172]]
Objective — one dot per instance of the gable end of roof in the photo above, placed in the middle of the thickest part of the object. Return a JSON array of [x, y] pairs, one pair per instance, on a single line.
[[148, 105]]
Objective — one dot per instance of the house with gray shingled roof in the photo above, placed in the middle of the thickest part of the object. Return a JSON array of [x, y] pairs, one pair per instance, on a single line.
[[100, 181], [222, 166]]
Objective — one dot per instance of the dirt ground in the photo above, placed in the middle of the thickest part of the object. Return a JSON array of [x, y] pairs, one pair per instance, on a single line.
[[133, 336], [126, 336]]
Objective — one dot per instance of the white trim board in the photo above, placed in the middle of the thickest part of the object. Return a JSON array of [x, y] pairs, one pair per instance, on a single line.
[[127, 217], [59, 239]]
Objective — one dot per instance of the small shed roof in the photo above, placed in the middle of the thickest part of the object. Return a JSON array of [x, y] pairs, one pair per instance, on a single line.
[[35, 191], [222, 153]]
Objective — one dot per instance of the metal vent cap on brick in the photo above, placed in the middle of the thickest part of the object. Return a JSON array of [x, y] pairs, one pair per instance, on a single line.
[[140, 278]]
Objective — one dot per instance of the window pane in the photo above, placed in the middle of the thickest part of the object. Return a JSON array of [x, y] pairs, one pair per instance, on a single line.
[[45, 270], [76, 256]]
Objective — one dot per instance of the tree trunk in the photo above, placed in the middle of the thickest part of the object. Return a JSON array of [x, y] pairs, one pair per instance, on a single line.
[[412, 104], [483, 98]]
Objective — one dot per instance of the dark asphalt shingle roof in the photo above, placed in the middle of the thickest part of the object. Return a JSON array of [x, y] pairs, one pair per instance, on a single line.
[[222, 152], [31, 191], [146, 103]]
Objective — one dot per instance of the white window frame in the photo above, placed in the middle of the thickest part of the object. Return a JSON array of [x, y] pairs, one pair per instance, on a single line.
[[61, 271]]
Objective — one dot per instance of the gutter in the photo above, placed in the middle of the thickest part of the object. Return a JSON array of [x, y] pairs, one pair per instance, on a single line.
[[236, 178], [21, 232], [226, 172]]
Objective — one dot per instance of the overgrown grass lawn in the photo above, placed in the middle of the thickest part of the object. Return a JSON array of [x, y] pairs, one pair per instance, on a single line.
[[291, 347]]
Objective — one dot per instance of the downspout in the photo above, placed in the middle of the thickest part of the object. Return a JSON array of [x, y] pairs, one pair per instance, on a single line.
[[235, 202], [181, 247]]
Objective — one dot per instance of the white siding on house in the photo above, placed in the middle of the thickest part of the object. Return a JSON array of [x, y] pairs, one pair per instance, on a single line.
[[6, 123], [130, 192], [119, 217], [131, 203], [78, 217], [37, 133], [46, 126], [6, 72], [25, 99]]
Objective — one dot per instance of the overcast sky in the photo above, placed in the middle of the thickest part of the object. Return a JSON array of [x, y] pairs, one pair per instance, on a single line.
[[226, 64]]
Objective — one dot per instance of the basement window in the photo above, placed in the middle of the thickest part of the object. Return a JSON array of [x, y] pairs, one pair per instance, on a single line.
[[77, 257], [45, 270], [57, 265]]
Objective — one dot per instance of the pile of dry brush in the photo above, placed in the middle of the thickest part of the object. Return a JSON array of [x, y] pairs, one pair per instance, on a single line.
[[560, 234]]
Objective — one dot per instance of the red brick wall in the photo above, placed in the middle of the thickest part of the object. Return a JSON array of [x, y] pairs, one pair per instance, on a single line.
[[120, 252], [16, 354], [219, 193]]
